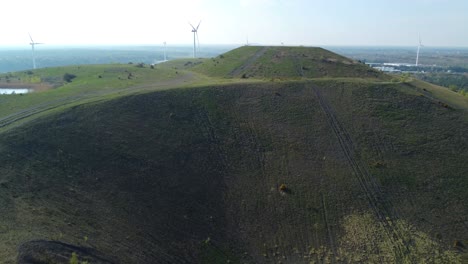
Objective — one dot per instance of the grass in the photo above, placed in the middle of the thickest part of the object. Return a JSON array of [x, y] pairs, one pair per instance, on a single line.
[[224, 64], [363, 232], [93, 83], [454, 99], [149, 173], [284, 63]]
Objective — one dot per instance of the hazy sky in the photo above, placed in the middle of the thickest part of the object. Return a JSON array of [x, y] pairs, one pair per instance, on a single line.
[[294, 22]]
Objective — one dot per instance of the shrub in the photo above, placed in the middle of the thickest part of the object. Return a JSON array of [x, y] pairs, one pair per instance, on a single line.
[[68, 77], [284, 189], [379, 164], [74, 258]]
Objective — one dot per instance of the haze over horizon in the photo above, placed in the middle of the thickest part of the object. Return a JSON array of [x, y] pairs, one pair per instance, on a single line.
[[266, 22]]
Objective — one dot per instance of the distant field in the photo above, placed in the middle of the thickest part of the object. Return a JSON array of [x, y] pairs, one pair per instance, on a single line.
[[448, 57], [19, 58]]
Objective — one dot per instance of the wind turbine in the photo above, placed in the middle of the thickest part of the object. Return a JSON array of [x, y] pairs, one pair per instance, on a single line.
[[419, 47], [195, 37], [32, 46], [165, 58]]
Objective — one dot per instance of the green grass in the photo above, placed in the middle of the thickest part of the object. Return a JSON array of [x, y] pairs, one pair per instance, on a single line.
[[93, 83], [223, 65], [445, 95]]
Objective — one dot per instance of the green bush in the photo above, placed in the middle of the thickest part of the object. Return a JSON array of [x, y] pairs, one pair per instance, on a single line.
[[68, 77]]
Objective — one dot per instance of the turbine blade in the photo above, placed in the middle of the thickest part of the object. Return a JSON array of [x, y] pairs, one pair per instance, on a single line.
[[192, 26], [198, 25], [32, 41], [198, 40]]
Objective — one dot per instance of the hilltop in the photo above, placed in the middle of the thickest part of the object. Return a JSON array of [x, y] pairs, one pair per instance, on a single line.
[[281, 62], [195, 163]]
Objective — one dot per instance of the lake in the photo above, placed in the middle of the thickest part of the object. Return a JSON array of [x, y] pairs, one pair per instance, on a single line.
[[14, 90]]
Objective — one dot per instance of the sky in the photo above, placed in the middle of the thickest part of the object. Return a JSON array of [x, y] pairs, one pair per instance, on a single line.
[[265, 22]]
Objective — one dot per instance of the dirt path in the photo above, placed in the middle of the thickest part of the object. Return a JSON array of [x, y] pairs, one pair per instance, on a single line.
[[46, 106], [380, 207], [248, 63]]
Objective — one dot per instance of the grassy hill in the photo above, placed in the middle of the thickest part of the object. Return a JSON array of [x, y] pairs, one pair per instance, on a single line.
[[284, 62], [337, 168]]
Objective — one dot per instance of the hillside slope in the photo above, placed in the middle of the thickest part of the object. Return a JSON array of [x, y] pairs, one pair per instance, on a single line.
[[297, 172]]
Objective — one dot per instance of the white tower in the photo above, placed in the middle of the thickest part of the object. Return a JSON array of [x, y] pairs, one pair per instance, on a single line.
[[195, 38]]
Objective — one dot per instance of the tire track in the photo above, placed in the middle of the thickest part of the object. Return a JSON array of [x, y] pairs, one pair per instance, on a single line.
[[328, 227], [366, 181], [248, 63], [12, 118]]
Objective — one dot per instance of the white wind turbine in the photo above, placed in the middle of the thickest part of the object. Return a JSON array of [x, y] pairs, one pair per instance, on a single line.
[[195, 39], [417, 53], [165, 58], [32, 46]]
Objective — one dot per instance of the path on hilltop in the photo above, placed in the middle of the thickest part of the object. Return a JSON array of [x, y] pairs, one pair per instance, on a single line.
[[248, 62]]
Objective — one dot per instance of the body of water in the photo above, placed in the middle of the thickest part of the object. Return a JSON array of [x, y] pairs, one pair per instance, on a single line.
[[14, 90]]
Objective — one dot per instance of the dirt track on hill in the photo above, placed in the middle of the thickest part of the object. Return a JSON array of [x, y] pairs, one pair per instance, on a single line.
[[248, 62], [368, 183]]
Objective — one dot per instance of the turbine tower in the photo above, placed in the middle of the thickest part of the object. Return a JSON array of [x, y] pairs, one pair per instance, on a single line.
[[165, 58], [195, 39], [417, 53], [32, 47]]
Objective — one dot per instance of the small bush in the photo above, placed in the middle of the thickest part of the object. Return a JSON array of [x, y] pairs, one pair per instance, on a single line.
[[68, 77], [74, 258], [284, 189], [379, 164], [458, 244]]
